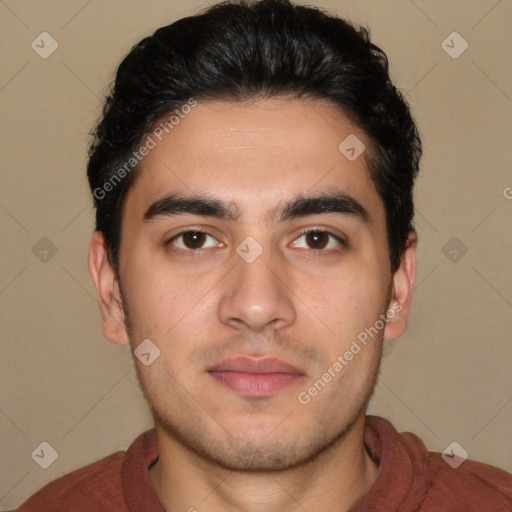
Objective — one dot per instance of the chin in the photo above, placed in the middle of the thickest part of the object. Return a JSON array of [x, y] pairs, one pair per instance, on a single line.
[[258, 449]]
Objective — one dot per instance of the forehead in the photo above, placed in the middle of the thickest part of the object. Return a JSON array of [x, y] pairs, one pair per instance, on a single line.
[[254, 155]]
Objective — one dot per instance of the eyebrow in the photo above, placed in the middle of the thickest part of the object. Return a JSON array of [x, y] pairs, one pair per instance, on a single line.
[[336, 202]]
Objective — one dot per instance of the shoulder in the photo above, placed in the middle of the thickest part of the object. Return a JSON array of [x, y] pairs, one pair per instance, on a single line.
[[83, 489], [413, 478], [101, 486], [467, 485], [473, 486]]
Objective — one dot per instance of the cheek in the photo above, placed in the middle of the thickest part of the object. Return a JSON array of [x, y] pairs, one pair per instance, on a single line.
[[155, 298], [348, 300], [163, 300]]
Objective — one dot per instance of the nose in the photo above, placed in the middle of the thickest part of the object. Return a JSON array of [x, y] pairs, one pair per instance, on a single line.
[[257, 295]]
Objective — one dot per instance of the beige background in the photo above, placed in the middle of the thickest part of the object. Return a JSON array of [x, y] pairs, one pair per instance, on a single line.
[[448, 379]]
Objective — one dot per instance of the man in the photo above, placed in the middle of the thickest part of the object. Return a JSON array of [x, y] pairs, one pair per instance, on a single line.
[[253, 175]]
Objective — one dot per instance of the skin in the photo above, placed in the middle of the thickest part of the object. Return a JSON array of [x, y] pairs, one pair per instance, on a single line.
[[219, 449]]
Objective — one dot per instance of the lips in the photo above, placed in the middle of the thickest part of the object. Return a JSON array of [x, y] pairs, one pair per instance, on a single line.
[[255, 376], [255, 365]]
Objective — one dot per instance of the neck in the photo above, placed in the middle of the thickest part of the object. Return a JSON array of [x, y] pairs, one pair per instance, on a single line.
[[334, 480]]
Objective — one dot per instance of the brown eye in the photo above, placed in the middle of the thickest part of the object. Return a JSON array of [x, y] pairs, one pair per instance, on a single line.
[[194, 239], [191, 240], [317, 239]]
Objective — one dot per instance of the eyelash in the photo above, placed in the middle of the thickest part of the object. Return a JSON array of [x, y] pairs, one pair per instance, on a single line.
[[324, 252], [320, 252]]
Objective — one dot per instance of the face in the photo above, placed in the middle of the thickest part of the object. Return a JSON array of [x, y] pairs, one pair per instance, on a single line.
[[255, 296]]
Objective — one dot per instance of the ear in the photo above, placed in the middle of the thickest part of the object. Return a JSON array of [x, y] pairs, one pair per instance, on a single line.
[[107, 290], [401, 294]]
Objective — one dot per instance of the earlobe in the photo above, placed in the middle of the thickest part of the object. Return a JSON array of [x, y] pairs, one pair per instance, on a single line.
[[107, 290], [403, 285]]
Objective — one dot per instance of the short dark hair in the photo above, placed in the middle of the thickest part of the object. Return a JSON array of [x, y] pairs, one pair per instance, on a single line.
[[241, 50]]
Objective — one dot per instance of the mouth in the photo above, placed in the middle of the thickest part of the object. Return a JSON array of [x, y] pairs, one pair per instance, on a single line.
[[251, 376]]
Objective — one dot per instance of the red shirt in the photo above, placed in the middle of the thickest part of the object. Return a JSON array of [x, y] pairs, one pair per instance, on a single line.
[[410, 479]]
